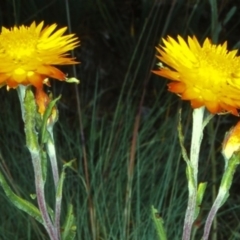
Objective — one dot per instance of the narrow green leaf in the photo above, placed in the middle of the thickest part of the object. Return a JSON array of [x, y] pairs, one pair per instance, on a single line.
[[190, 178], [69, 227], [62, 177], [214, 20], [47, 114], [19, 202], [158, 222], [181, 138], [200, 194], [229, 15], [30, 120], [229, 172]]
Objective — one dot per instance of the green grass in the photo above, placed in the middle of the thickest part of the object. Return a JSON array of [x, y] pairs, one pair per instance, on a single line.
[[125, 114]]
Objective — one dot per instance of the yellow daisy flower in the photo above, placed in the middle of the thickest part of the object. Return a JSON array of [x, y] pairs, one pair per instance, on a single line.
[[207, 75], [28, 54]]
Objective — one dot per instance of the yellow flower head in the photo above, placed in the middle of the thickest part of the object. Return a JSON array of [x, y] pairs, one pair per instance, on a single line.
[[207, 75], [28, 54]]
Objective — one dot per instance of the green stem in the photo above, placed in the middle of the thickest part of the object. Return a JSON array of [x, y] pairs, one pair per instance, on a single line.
[[21, 90], [39, 184], [53, 158], [223, 192], [197, 135], [192, 199], [30, 113], [192, 171]]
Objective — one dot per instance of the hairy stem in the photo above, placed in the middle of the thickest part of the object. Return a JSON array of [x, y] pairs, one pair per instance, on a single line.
[[192, 171]]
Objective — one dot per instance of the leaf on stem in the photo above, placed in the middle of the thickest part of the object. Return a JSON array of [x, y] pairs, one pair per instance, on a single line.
[[181, 138], [200, 194], [30, 121], [69, 227], [158, 222], [19, 202], [47, 114]]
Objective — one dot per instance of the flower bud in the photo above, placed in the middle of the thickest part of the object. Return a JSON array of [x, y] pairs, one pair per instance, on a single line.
[[231, 142]]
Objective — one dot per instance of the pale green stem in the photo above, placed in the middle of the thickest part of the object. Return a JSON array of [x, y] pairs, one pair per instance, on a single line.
[[29, 106], [52, 156], [53, 160], [39, 184], [197, 135], [223, 192], [21, 90], [192, 171]]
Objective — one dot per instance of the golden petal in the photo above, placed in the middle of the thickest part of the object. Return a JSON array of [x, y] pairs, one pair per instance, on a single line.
[[36, 80], [177, 87], [3, 77], [51, 71], [197, 103], [42, 100], [213, 107], [189, 94]]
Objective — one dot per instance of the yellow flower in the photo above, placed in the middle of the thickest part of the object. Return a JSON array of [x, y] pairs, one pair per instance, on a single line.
[[207, 75], [28, 54]]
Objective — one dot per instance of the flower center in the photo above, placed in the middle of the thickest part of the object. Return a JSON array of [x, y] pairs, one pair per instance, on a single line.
[[18, 44]]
